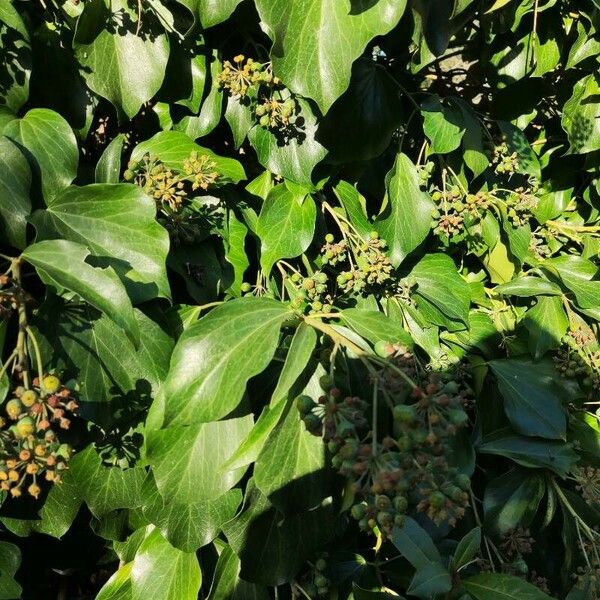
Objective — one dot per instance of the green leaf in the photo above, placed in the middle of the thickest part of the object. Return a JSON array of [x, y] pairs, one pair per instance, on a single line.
[[576, 273], [316, 42], [15, 181], [468, 548], [580, 115], [527, 286], [546, 323], [406, 220], [443, 125], [118, 587], [415, 544], [10, 561], [292, 153], [360, 124], [117, 223], [441, 294], [188, 526], [375, 326], [235, 251], [215, 357], [15, 49], [174, 147], [429, 581], [512, 500], [213, 12], [529, 403], [496, 586], [90, 348], [291, 467], [61, 264], [108, 169], [187, 461], [161, 571], [51, 148], [355, 206], [529, 452], [126, 68], [282, 212]]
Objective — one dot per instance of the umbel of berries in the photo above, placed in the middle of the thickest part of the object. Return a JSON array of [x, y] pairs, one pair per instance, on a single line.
[[30, 447]]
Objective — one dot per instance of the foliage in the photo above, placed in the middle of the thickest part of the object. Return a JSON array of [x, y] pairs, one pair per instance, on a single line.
[[300, 299]]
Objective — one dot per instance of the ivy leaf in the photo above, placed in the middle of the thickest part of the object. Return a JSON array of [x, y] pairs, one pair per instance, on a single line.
[[15, 181], [51, 148], [174, 147], [213, 12], [441, 294], [215, 357], [580, 115], [527, 286], [187, 461], [577, 274], [291, 469], [415, 544], [530, 452], [117, 223], [375, 326], [118, 587], [120, 63], [316, 42], [293, 154], [512, 500], [188, 526], [443, 125], [90, 348], [355, 206], [406, 220], [284, 211], [531, 406], [162, 571], [429, 581], [468, 548], [62, 264], [546, 323], [108, 169], [10, 561], [497, 586], [360, 125]]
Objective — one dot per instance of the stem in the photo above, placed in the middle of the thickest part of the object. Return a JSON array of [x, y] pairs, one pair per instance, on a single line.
[[335, 336], [7, 363], [21, 345], [374, 429], [38, 354]]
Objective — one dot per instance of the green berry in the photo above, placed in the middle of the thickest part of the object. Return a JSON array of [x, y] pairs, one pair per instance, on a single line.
[[14, 408], [25, 427], [305, 404], [383, 349], [264, 121], [321, 565], [245, 287], [463, 482], [404, 413], [358, 511], [29, 398], [51, 384], [437, 500], [321, 581], [321, 277], [329, 238], [400, 504]]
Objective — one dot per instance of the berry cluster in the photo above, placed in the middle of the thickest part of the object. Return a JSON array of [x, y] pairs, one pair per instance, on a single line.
[[407, 466], [579, 357], [315, 582], [254, 84], [506, 164], [30, 446]]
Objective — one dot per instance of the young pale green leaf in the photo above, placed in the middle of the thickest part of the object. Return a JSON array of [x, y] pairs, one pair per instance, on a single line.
[[162, 571], [546, 323], [512, 500], [284, 212], [316, 42], [187, 462], [415, 544], [51, 148], [530, 404], [117, 223], [530, 452], [291, 467], [441, 294], [293, 157], [15, 181], [468, 548], [108, 169], [215, 357], [188, 526], [213, 12], [527, 286], [497, 586], [10, 561], [406, 220], [61, 264], [429, 581], [127, 68], [375, 326], [174, 147], [118, 587], [443, 125]]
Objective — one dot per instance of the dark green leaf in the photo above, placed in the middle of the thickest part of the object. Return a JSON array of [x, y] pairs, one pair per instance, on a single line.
[[497, 586]]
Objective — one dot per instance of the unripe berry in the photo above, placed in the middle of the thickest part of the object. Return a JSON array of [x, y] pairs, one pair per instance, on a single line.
[[400, 504], [264, 121], [520, 566], [437, 500], [14, 409], [321, 565], [321, 581], [51, 384], [25, 427], [463, 482], [305, 404], [329, 238], [29, 398], [358, 511], [245, 287], [34, 490], [404, 413]]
